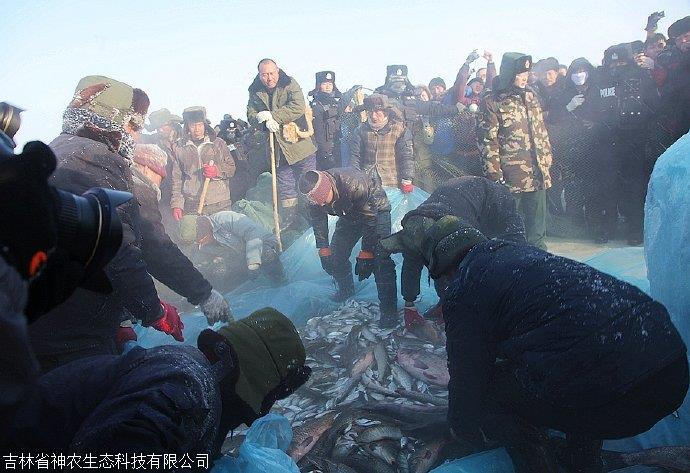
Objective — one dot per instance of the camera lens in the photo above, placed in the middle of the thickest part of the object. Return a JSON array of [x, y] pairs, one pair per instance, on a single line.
[[89, 227]]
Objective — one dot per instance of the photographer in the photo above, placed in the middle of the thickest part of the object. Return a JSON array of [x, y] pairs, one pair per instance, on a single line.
[[96, 150]]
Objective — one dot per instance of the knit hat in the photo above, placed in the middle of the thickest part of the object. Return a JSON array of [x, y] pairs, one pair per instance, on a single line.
[[188, 227], [194, 114], [152, 157], [678, 28], [437, 81], [112, 100], [269, 351], [447, 242], [316, 186], [160, 118]]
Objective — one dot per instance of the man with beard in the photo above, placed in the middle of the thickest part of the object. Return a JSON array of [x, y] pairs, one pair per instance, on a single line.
[[325, 109]]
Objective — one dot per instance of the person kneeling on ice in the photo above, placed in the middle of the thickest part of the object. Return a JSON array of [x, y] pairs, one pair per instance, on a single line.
[[248, 246], [580, 351], [479, 202], [364, 212], [165, 400]]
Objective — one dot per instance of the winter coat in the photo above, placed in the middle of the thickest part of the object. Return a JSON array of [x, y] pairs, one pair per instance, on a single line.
[[571, 335], [357, 198], [675, 93], [163, 258], [241, 233], [86, 322], [589, 110], [188, 177], [327, 132], [513, 140], [386, 154], [485, 205], [547, 93], [286, 105]]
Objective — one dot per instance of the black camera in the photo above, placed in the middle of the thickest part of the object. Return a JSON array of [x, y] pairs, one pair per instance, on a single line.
[[54, 239]]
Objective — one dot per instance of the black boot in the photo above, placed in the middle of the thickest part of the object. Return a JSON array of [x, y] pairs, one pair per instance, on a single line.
[[583, 455], [346, 288], [289, 215], [389, 315]]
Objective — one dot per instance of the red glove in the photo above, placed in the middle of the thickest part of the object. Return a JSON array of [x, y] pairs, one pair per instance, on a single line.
[[406, 186], [435, 313], [124, 335], [170, 323], [177, 213], [412, 317], [210, 171]]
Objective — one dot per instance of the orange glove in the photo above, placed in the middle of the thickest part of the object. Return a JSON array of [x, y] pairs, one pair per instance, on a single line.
[[177, 213], [170, 323]]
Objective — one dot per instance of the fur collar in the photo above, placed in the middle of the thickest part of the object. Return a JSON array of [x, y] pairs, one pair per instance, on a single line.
[[258, 86]]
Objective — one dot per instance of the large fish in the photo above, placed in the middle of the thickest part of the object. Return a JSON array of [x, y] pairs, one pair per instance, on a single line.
[[306, 436], [424, 366], [676, 459], [425, 458]]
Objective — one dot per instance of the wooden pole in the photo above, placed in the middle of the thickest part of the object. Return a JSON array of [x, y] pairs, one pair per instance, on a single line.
[[204, 190], [274, 181]]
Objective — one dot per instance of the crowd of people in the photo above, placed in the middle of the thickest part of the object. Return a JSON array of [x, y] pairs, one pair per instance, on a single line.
[[507, 155]]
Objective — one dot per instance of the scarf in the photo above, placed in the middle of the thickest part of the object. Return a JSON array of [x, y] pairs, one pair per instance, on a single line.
[[87, 124], [379, 126]]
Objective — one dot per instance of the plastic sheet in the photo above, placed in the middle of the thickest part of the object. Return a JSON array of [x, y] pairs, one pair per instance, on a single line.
[[263, 449]]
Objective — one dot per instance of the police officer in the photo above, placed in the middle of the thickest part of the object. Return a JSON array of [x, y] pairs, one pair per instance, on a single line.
[[327, 134], [628, 105]]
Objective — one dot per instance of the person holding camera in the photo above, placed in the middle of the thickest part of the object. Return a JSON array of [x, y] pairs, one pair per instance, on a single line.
[[96, 149]]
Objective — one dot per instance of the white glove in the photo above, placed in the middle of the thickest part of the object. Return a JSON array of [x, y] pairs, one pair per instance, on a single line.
[[461, 107], [263, 116], [575, 102], [272, 125], [216, 308], [473, 107]]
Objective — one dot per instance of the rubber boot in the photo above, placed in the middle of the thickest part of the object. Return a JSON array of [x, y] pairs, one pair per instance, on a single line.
[[288, 214], [533, 453], [583, 455], [389, 315]]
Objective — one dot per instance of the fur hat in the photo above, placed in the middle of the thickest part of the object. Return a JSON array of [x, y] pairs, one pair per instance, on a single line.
[[152, 157], [269, 351], [437, 81], [316, 186], [110, 99], [160, 118], [447, 242], [679, 27], [325, 76], [194, 114], [376, 102]]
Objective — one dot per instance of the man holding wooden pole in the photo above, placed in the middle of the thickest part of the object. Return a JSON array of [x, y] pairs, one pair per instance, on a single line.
[[276, 101], [202, 168]]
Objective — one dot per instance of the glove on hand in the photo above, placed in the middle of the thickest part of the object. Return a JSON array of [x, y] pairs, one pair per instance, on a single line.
[[170, 323], [326, 260], [412, 317], [210, 171], [216, 308], [473, 56], [406, 186], [653, 20], [364, 267], [124, 335], [645, 62], [272, 125], [264, 116], [177, 213], [575, 102]]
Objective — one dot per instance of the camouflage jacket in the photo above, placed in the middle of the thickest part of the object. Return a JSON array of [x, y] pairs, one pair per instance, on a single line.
[[513, 140]]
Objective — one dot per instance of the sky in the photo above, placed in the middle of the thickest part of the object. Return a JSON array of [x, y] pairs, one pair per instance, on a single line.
[[185, 53]]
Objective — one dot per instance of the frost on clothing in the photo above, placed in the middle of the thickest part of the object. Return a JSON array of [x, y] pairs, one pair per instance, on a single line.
[[573, 336]]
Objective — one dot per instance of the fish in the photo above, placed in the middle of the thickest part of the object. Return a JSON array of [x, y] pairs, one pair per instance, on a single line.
[[369, 335], [368, 464], [428, 331], [305, 437], [676, 459], [382, 366], [424, 366], [386, 450], [401, 376], [425, 458], [379, 432]]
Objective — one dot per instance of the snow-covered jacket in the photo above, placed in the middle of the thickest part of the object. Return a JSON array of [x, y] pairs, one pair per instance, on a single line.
[[241, 233], [572, 336]]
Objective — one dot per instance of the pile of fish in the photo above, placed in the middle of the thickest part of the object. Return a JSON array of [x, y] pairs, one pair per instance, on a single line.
[[377, 400]]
